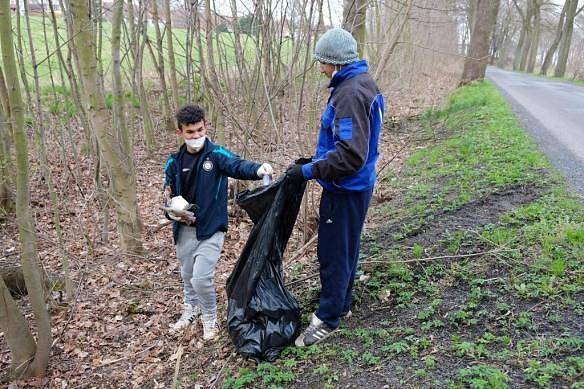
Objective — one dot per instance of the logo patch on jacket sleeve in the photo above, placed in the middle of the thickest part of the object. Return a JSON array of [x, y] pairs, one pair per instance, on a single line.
[[207, 165]]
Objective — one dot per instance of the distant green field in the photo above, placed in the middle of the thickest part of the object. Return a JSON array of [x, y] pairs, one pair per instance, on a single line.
[[46, 56]]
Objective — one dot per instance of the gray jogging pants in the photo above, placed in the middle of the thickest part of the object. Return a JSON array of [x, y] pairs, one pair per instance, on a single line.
[[198, 259]]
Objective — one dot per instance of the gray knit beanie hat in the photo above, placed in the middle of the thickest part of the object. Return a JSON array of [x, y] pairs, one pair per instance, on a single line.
[[336, 47]]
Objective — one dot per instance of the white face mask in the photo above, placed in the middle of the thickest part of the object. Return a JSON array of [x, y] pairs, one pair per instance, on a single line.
[[196, 144]]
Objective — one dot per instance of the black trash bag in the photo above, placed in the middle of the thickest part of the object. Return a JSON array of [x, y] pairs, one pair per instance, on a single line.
[[262, 316], [256, 202]]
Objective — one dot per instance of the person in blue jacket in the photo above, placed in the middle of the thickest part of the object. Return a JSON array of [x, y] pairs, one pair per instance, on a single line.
[[344, 165], [198, 172]]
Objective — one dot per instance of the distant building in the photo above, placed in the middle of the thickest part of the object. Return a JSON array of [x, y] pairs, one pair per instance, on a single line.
[[179, 16], [36, 7]]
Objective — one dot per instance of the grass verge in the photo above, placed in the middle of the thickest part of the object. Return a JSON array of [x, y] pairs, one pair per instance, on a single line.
[[473, 277]]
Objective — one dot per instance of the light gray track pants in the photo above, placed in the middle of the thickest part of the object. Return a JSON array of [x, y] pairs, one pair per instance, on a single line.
[[198, 259]]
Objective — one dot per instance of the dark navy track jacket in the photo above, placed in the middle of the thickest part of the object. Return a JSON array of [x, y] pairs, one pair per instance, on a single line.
[[214, 165], [346, 152]]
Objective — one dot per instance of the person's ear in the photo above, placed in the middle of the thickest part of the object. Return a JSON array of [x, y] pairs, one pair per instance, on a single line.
[[178, 131]]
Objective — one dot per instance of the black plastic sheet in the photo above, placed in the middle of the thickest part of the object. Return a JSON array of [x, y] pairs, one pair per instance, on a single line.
[[262, 316]]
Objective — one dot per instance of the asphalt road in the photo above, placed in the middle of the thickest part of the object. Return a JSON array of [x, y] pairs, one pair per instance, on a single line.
[[553, 113]]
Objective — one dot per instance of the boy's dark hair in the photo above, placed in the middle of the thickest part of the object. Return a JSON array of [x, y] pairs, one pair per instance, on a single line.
[[189, 114]]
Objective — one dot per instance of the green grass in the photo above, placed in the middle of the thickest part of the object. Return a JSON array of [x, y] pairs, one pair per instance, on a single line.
[[223, 44]]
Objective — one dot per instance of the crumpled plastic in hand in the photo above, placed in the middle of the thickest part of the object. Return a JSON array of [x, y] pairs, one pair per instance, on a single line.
[[179, 203]]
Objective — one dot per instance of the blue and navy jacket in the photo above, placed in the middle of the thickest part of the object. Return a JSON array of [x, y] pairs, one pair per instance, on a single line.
[[346, 152], [214, 165]]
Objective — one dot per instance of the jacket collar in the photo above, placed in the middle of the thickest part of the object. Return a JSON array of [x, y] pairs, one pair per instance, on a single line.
[[349, 71]]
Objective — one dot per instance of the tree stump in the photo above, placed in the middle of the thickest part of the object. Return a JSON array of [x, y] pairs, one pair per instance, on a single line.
[[11, 272]]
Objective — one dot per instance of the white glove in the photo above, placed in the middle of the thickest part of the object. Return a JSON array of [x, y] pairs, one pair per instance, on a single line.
[[265, 169]]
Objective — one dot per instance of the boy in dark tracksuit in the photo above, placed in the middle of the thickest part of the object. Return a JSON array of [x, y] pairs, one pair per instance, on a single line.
[[198, 172], [344, 165]]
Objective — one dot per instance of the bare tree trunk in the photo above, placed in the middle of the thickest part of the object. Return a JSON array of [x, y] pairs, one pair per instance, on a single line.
[[354, 17], [134, 42], [171, 61], [123, 183], [485, 19], [549, 55], [529, 14], [388, 49], [241, 65], [147, 122], [119, 114], [98, 22], [189, 53], [520, 57], [471, 14], [566, 41], [41, 145], [48, 53], [164, 91], [6, 198], [506, 39], [534, 42], [210, 48], [17, 334], [202, 60], [73, 82], [26, 226], [6, 176], [520, 43], [20, 52]]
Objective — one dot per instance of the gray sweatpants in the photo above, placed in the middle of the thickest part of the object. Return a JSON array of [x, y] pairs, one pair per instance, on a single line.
[[198, 260]]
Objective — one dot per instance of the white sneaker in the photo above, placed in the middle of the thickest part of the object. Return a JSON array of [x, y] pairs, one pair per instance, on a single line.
[[209, 326], [316, 332], [189, 315]]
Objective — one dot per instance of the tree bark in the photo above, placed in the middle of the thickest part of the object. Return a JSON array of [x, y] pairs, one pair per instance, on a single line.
[[170, 48], [119, 114], [534, 41], [6, 179], [241, 64], [354, 17], [388, 49], [17, 334], [485, 19], [566, 41], [164, 90], [549, 55], [520, 43], [147, 122], [123, 183], [134, 42], [529, 14], [41, 145], [26, 226], [20, 52]]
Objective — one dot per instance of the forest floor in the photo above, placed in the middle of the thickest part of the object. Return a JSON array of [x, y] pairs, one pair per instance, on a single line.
[[471, 275]]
